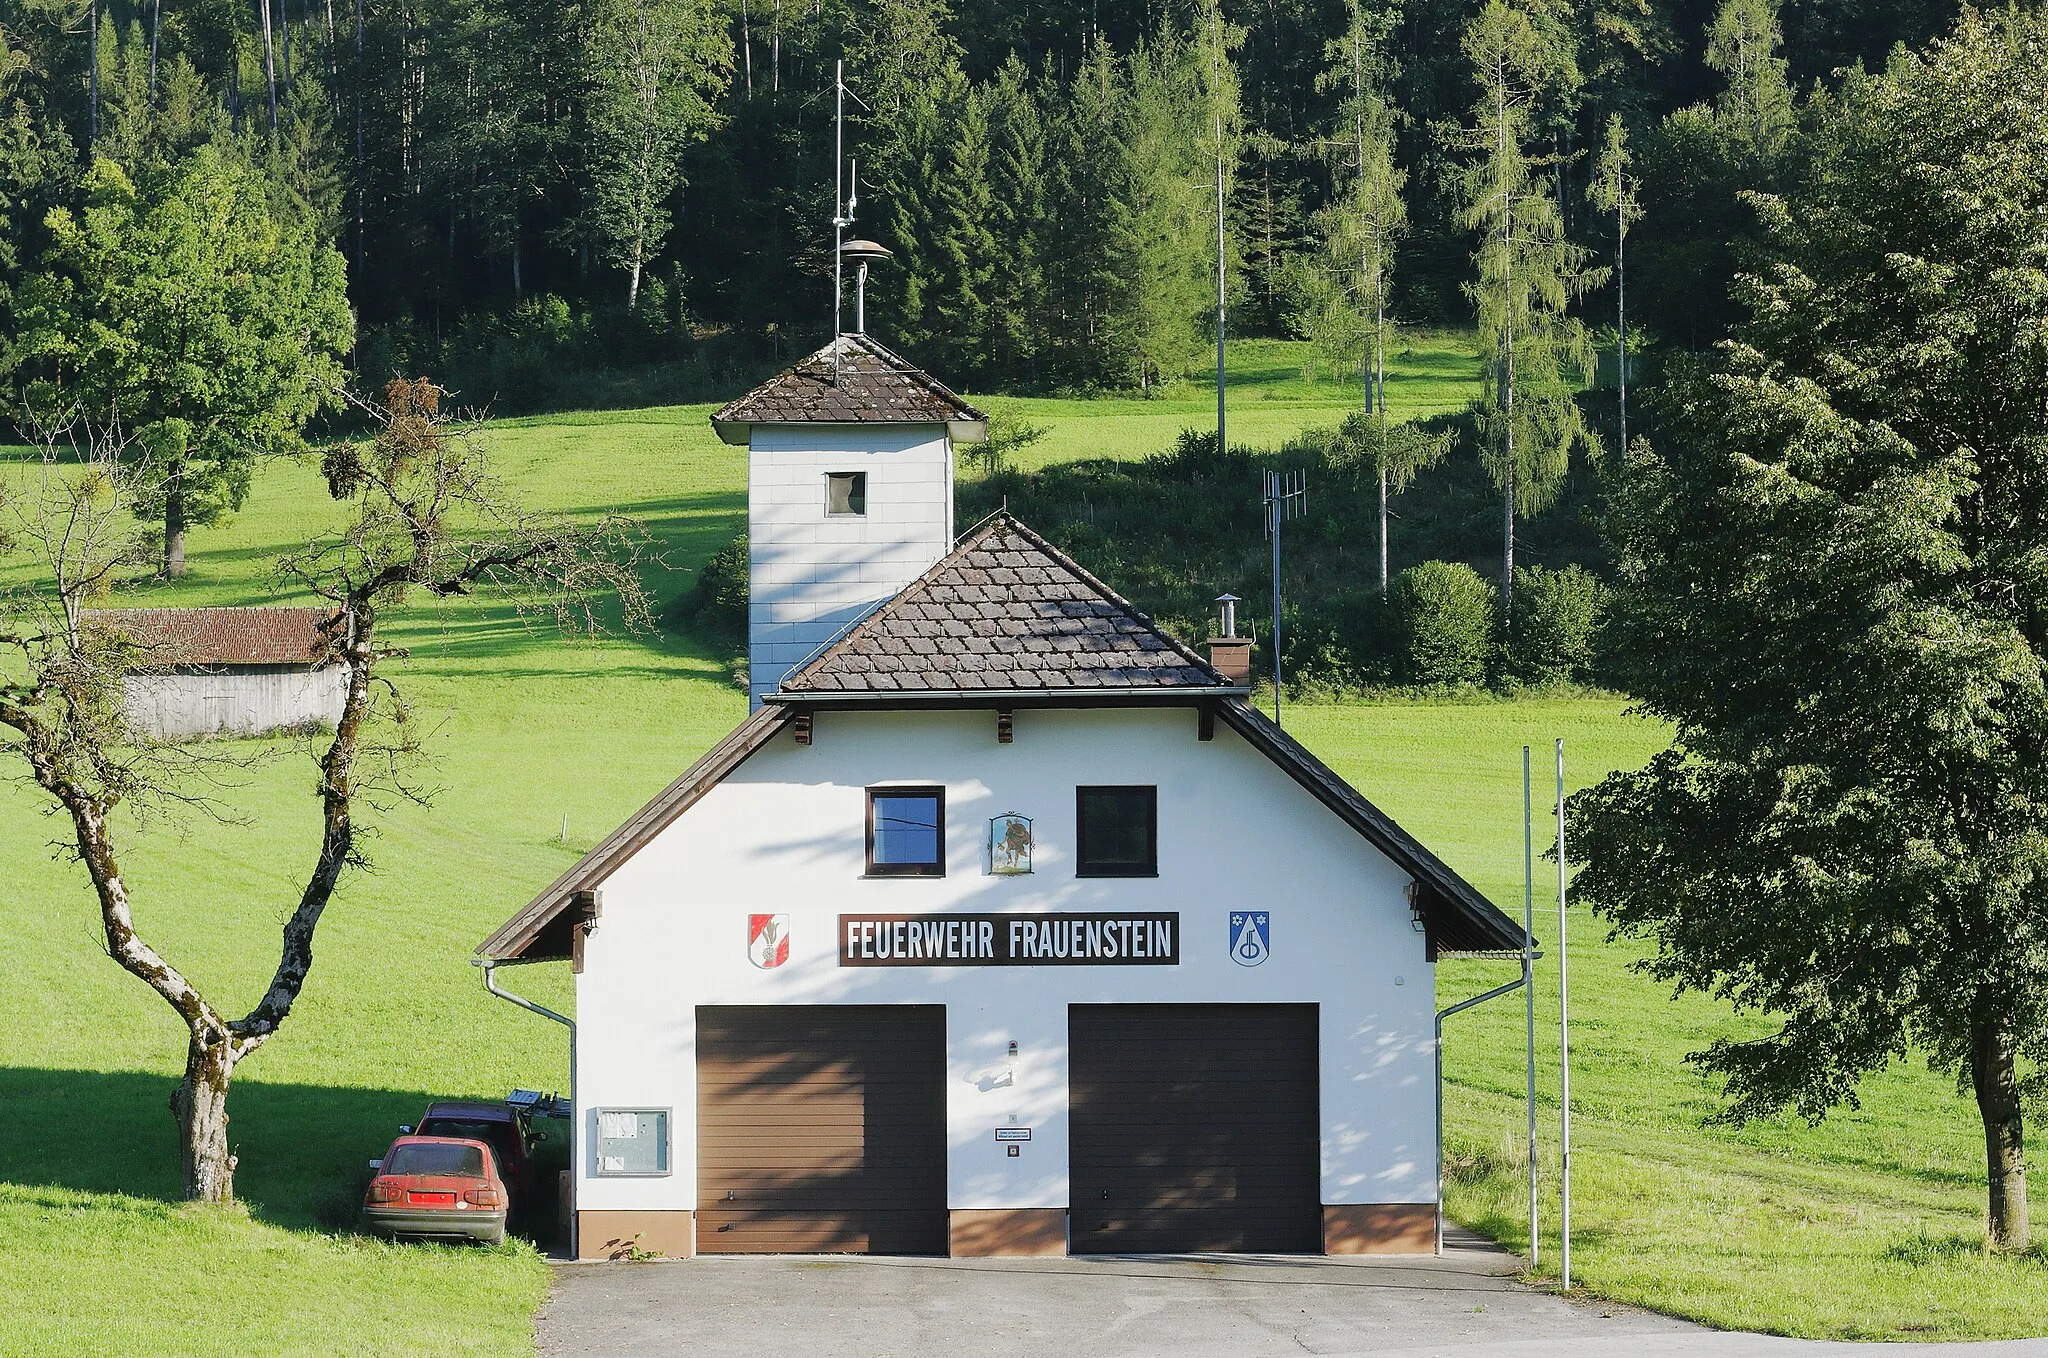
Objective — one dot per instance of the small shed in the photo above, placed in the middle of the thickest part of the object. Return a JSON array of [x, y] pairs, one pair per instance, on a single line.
[[228, 671]]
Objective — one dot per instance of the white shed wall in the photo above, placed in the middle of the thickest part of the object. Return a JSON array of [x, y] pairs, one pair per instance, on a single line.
[[786, 834], [811, 575], [245, 701]]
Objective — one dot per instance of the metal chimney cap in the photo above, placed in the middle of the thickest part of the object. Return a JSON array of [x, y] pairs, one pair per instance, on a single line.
[[1228, 599], [865, 251]]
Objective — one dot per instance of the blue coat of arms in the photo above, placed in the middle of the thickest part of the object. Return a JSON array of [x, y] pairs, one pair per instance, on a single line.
[[1251, 937]]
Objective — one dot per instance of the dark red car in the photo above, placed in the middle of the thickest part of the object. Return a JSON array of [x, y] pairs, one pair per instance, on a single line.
[[438, 1188], [497, 1125]]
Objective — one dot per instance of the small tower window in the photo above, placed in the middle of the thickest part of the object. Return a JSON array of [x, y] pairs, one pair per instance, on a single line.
[[846, 492]]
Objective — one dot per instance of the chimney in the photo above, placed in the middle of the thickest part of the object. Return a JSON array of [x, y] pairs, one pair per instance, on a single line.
[[1230, 655]]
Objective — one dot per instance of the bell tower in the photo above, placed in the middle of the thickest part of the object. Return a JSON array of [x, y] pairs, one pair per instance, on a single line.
[[849, 493]]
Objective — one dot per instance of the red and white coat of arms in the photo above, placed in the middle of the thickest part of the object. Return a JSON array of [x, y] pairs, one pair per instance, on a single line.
[[767, 940]]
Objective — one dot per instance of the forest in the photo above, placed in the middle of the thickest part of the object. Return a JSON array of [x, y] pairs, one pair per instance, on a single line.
[[521, 192]]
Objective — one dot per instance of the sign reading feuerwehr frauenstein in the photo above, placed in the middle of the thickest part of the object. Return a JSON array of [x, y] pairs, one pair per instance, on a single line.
[[1107, 939]]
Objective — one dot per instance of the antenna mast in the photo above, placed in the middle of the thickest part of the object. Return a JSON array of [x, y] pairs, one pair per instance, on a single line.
[[839, 218]]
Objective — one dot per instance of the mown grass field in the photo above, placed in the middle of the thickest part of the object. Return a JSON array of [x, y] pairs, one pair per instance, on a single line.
[[1859, 1228]]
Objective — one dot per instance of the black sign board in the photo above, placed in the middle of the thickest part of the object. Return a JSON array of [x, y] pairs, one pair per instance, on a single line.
[[1108, 939]]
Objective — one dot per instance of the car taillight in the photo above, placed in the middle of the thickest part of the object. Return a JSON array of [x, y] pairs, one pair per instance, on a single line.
[[384, 1190], [484, 1197]]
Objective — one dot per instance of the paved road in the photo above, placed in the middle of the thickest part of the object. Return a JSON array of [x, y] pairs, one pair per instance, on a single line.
[[1461, 1305]]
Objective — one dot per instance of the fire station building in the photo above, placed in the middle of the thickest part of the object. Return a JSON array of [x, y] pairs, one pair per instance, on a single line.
[[1004, 924]]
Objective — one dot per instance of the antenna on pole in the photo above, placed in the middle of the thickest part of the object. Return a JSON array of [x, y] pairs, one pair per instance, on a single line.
[[840, 221], [1286, 498]]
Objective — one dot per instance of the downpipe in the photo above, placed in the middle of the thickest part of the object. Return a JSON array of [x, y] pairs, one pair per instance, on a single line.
[[1442, 1014]]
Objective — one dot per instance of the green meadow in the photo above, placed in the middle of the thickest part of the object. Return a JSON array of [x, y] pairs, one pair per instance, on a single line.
[[1864, 1227]]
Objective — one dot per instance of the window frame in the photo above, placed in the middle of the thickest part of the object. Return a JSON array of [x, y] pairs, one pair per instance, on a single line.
[[937, 868], [859, 490], [1082, 867]]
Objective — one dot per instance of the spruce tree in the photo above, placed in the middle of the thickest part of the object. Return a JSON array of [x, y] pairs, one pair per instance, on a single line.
[[1528, 274], [964, 246], [1171, 172], [1022, 229], [1093, 277]]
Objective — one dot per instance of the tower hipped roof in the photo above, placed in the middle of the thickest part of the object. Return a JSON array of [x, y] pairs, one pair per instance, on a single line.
[[853, 380]]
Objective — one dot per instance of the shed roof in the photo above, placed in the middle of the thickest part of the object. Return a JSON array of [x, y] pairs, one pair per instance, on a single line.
[[175, 638], [853, 380], [1004, 612]]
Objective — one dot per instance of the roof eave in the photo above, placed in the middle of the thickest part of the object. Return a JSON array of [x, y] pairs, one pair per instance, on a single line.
[[1043, 697], [738, 433]]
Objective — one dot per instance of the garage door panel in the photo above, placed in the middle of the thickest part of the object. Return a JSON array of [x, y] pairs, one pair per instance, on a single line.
[[821, 1129], [1195, 1128]]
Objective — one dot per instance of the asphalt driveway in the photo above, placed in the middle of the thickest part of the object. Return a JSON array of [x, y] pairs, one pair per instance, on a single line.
[[1465, 1303]]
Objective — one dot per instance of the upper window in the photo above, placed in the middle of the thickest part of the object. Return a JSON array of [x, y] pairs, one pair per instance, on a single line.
[[1119, 832], [906, 832], [846, 492]]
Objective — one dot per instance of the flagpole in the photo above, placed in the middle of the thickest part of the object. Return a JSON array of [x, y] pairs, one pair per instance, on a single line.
[[1528, 978], [1564, 1049]]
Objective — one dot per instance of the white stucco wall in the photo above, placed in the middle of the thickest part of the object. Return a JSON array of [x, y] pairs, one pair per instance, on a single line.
[[812, 574], [244, 701], [786, 834]]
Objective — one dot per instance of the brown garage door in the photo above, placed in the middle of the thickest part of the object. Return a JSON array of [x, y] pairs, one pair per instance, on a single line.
[[1195, 1128], [821, 1129]]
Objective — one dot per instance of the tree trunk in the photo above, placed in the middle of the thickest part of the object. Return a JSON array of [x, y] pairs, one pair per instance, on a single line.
[[1998, 1103], [174, 529], [1383, 519], [269, 62], [200, 1104], [633, 283]]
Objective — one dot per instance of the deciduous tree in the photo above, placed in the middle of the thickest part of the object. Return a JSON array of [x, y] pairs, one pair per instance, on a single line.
[[656, 68], [426, 520], [1835, 589], [192, 315]]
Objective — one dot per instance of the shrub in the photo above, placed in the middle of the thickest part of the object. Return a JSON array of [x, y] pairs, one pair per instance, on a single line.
[[1555, 624], [717, 604], [1446, 614]]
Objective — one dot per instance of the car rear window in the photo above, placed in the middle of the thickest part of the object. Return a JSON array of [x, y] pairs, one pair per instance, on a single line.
[[465, 1161], [473, 1129]]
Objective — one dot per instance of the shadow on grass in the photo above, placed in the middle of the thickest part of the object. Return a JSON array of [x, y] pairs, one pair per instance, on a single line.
[[303, 1150]]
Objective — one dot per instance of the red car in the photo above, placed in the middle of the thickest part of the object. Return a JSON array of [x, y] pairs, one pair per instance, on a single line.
[[438, 1187], [497, 1125]]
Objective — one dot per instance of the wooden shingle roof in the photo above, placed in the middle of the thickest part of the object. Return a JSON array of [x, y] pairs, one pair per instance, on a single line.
[[178, 638], [853, 380], [1004, 612]]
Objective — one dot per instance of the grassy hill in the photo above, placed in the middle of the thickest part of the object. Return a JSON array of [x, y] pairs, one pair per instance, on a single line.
[[1858, 1228]]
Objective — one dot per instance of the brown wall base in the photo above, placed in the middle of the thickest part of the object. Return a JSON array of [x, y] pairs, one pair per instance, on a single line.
[[987, 1232], [616, 1235], [1379, 1228]]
